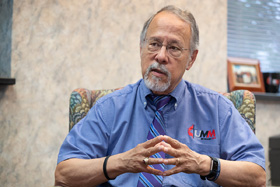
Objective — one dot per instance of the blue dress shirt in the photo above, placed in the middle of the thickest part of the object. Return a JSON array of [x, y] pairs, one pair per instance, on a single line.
[[204, 120]]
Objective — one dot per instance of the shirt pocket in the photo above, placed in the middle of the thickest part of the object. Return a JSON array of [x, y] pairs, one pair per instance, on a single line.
[[206, 147]]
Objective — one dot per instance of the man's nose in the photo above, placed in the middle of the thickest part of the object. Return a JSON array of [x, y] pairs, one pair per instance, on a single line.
[[161, 56]]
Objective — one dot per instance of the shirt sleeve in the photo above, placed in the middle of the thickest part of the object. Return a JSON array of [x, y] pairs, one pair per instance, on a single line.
[[88, 138], [238, 142]]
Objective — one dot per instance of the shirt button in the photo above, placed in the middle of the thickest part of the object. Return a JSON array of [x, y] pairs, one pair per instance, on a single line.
[[145, 104], [175, 105]]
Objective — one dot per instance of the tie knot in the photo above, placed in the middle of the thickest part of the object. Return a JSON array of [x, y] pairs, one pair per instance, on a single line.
[[160, 101]]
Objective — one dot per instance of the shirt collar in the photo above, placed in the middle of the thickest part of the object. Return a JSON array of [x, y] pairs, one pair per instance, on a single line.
[[145, 91], [176, 93]]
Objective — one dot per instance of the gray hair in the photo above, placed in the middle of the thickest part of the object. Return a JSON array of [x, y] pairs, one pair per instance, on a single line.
[[185, 16]]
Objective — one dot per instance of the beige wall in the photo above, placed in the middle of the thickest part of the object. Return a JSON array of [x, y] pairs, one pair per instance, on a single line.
[[60, 45]]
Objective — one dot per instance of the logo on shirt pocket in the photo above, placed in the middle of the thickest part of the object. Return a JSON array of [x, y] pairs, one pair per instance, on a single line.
[[201, 134]]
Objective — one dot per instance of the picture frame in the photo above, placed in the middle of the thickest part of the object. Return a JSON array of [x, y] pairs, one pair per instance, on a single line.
[[244, 74]]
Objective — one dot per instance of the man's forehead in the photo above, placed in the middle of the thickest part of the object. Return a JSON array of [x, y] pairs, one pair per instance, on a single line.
[[168, 25], [170, 18]]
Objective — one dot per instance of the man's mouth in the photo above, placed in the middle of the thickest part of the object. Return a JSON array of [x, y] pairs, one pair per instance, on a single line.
[[157, 72]]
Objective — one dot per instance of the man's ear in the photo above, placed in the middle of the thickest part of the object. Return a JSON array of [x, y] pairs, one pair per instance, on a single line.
[[193, 57]]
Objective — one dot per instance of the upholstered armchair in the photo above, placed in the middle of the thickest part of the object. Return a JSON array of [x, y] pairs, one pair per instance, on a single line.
[[81, 100]]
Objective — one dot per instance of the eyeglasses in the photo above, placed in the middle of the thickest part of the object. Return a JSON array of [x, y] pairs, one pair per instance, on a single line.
[[155, 46]]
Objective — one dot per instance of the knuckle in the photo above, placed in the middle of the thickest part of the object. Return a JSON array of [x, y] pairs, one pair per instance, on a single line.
[[178, 143], [139, 145], [149, 152]]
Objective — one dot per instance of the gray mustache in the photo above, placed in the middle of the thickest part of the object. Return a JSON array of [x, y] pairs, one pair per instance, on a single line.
[[158, 66]]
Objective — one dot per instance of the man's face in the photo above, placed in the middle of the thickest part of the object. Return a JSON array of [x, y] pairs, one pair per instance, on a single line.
[[161, 71]]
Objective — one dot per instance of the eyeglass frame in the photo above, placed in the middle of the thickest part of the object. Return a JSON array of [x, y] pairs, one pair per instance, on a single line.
[[167, 47]]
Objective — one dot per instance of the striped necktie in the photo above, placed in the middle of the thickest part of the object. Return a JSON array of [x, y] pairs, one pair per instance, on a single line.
[[156, 129]]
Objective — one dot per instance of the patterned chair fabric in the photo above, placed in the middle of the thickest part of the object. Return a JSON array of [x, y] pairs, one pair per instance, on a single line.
[[245, 102], [81, 100]]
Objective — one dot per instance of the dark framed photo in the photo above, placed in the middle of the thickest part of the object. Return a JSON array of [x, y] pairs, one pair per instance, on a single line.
[[245, 74]]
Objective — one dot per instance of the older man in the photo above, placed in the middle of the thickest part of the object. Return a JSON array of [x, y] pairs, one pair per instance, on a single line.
[[162, 130]]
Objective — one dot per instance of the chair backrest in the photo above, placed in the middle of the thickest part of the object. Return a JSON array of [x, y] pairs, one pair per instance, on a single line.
[[81, 100]]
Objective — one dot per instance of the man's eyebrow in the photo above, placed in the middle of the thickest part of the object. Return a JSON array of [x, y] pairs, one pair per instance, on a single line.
[[173, 41], [155, 39]]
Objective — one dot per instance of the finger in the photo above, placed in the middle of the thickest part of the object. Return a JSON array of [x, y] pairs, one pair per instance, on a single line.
[[152, 142], [171, 151], [172, 161], [172, 171], [153, 150], [174, 143], [164, 144], [153, 161], [153, 171]]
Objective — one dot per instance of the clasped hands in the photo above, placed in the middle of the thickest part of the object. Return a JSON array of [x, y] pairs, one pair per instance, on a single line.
[[185, 160]]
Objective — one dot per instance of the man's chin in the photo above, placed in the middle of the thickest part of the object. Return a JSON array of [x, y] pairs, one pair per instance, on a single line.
[[156, 85], [158, 80]]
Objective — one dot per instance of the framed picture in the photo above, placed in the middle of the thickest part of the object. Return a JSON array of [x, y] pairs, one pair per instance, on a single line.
[[245, 74]]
